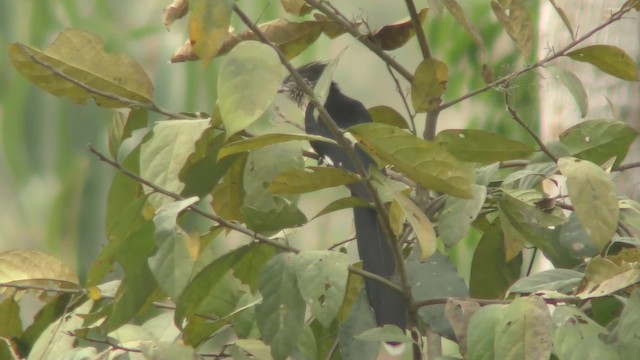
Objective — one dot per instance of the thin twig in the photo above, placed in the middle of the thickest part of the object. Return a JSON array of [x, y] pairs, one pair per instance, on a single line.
[[485, 302], [532, 133], [42, 288], [417, 27], [628, 166], [151, 106], [505, 79], [407, 107]]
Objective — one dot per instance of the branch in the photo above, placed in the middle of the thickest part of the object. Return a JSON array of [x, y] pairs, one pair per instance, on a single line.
[[332, 13], [535, 137], [151, 106], [485, 302], [628, 166], [614, 17], [417, 27], [116, 346], [229, 224], [404, 100], [41, 288]]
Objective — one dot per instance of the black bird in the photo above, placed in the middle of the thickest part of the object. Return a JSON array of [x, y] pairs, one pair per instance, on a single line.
[[375, 251]]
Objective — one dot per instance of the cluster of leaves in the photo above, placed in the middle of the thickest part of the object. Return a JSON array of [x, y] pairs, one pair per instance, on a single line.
[[185, 188]]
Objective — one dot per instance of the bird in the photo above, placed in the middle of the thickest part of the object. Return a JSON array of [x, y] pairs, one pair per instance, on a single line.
[[388, 305]]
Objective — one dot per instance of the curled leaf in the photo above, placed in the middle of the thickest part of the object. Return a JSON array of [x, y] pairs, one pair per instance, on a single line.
[[176, 10], [517, 22], [394, 36]]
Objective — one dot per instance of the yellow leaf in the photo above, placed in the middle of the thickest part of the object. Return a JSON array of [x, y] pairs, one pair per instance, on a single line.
[[75, 66], [429, 83], [209, 26]]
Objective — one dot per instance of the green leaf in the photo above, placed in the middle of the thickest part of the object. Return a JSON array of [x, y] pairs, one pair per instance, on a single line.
[[165, 153], [199, 289], [426, 163], [519, 212], [312, 178], [434, 278], [247, 83], [47, 315], [343, 203], [122, 127], [387, 115], [220, 303], [593, 198], [79, 55], [267, 139], [322, 281], [386, 333], [11, 326], [599, 140], [481, 333], [55, 342], [563, 280], [262, 210], [136, 289], [228, 196], [205, 160], [481, 146], [360, 319], [209, 26], [281, 314], [283, 215], [517, 21], [610, 59], [173, 262], [574, 238], [577, 337], [574, 85], [629, 328], [491, 274], [458, 214], [524, 330], [429, 84]]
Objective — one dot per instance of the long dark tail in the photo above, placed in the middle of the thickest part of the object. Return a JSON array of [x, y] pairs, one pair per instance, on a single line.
[[388, 305]]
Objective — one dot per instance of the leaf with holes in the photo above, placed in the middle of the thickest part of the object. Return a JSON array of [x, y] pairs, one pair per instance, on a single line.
[[599, 140], [322, 280]]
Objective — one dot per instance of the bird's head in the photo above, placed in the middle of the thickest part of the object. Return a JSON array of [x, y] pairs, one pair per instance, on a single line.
[[311, 73]]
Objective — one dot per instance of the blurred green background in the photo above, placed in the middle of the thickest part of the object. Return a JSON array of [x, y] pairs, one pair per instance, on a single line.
[[53, 191]]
